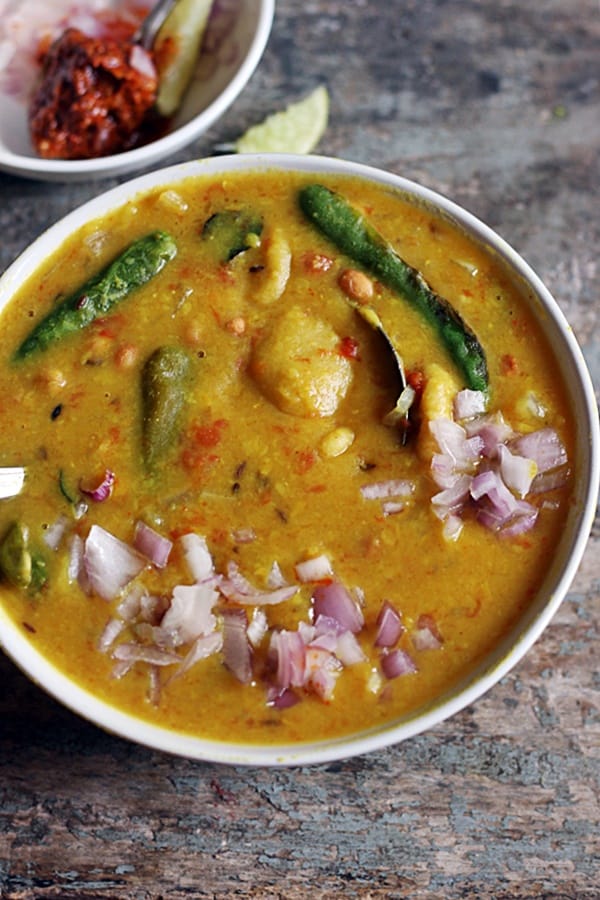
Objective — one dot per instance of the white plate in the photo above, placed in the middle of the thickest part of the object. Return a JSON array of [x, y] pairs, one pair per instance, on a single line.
[[221, 76]]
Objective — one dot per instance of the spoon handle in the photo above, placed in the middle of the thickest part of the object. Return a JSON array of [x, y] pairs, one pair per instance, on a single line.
[[146, 33]]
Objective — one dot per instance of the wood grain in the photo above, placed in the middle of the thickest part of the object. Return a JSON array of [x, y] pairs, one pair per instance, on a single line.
[[498, 106]]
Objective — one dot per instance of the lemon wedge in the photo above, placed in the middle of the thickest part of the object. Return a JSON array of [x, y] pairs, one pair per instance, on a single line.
[[176, 51], [296, 129]]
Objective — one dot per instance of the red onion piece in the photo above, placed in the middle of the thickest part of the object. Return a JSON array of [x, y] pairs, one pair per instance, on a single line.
[[549, 481], [396, 663], [492, 430], [334, 601], [426, 635], [103, 490], [239, 590], [389, 625], [257, 627], [517, 472], [348, 650], [237, 653], [197, 556], [282, 699], [110, 633], [289, 653], [393, 487], [318, 568], [468, 404], [54, 534], [131, 651], [322, 671], [152, 545], [452, 499], [543, 446], [109, 563], [453, 442], [189, 614], [204, 646]]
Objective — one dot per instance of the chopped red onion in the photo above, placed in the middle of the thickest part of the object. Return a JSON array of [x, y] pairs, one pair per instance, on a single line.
[[154, 685], [543, 446], [203, 647], [426, 635], [453, 526], [152, 545], [103, 490], [517, 472], [237, 653], [468, 404], [110, 564], [389, 625], [396, 663], [110, 633], [492, 430], [550, 481], [190, 613], [131, 651], [318, 568], [76, 568], [523, 521], [334, 601], [348, 650], [275, 578], [322, 671], [197, 556], [289, 653], [453, 441], [282, 699], [453, 498], [239, 590], [54, 534], [393, 487], [257, 627], [131, 603]]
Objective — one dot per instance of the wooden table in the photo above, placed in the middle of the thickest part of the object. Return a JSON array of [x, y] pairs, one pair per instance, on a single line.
[[496, 105]]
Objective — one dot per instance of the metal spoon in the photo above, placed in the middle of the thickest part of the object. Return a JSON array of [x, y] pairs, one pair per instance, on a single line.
[[399, 416], [146, 33]]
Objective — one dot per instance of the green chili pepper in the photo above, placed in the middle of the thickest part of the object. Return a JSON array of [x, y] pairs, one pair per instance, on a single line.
[[19, 565], [140, 262], [164, 379], [348, 229], [231, 231]]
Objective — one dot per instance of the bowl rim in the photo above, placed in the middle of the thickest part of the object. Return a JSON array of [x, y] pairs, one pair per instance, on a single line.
[[129, 161], [497, 664]]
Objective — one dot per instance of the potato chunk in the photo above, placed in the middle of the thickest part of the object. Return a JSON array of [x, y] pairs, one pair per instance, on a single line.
[[299, 367]]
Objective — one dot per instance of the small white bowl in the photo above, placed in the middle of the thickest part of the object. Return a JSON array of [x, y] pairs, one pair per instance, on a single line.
[[572, 371], [221, 77]]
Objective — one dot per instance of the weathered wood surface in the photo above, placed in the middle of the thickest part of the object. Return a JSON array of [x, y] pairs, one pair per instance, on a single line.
[[498, 106]]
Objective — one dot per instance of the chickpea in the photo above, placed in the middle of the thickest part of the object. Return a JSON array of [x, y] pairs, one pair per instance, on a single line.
[[337, 442], [356, 285]]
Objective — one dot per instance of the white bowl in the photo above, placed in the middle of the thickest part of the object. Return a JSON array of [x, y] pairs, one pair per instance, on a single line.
[[220, 79], [573, 371]]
